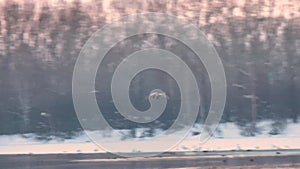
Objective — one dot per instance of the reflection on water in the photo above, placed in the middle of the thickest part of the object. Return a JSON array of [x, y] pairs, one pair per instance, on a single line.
[[258, 42]]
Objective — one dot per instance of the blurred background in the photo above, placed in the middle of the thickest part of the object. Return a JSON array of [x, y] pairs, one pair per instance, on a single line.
[[257, 40]]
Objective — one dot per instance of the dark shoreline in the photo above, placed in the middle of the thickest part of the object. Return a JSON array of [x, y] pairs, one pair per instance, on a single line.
[[229, 159]]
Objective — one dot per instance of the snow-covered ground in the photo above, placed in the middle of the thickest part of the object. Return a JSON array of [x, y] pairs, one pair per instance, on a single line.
[[227, 137]]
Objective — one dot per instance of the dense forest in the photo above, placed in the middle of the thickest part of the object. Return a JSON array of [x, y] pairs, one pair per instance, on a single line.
[[258, 42]]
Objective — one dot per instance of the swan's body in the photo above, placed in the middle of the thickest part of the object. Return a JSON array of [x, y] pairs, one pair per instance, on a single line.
[[157, 95]]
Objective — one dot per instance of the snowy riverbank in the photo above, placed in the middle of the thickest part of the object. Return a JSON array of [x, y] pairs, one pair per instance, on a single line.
[[228, 137]]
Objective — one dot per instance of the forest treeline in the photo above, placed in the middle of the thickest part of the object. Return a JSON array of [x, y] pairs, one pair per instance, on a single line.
[[39, 44]]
